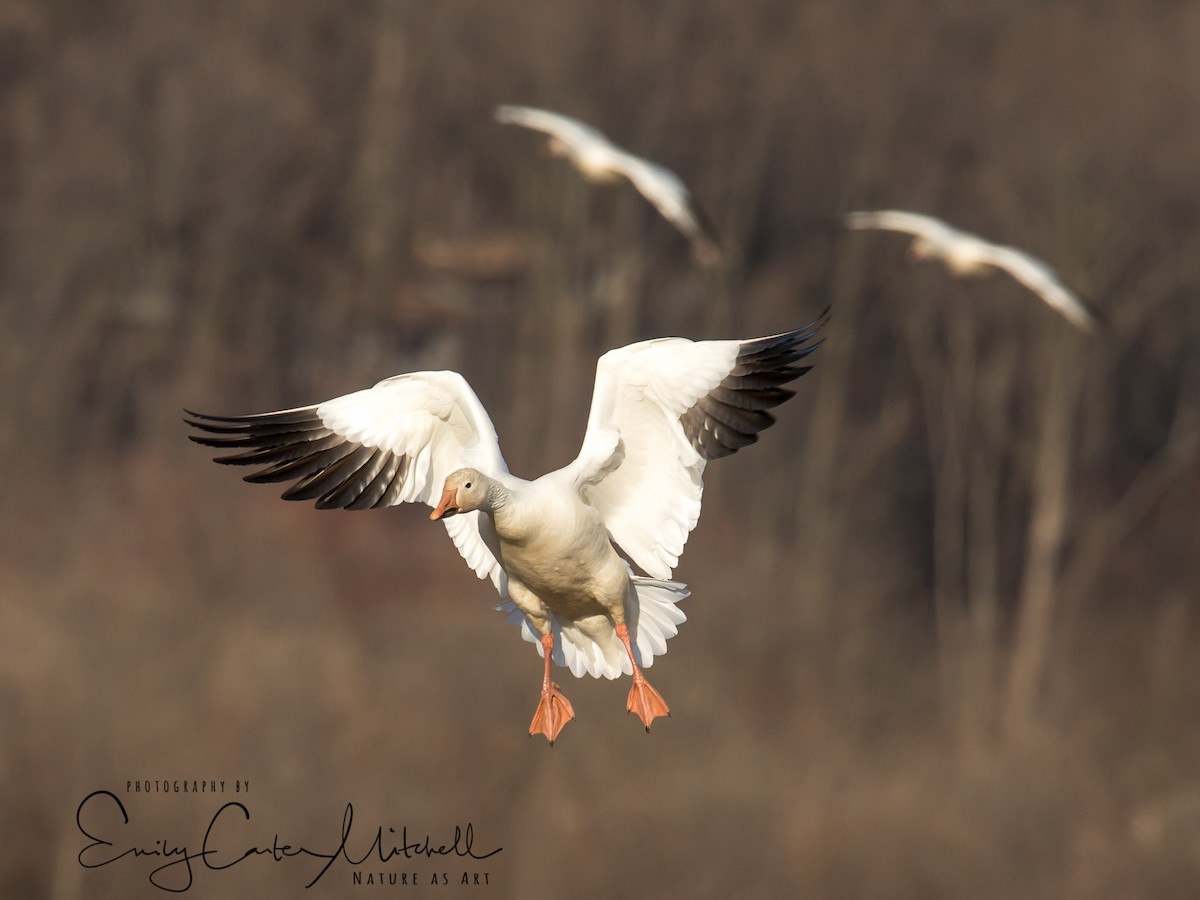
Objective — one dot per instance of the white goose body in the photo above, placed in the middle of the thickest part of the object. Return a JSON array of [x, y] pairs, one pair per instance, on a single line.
[[556, 546], [660, 410], [563, 570], [601, 163]]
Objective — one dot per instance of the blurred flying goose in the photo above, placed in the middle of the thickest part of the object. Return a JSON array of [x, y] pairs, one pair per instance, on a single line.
[[969, 255], [602, 161], [661, 409]]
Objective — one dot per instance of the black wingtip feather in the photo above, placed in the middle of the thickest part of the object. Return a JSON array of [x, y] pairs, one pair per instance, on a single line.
[[297, 446], [731, 415], [302, 414]]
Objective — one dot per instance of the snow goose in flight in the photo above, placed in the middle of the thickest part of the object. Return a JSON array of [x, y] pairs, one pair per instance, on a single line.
[[661, 409], [969, 255], [602, 161]]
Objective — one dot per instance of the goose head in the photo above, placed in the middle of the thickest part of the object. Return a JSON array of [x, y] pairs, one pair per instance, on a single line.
[[464, 490], [556, 147], [921, 249]]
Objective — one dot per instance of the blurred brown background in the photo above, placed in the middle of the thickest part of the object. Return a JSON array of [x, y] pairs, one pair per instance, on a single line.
[[943, 634]]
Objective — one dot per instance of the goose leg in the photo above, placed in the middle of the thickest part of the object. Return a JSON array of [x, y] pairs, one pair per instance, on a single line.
[[554, 710], [644, 700]]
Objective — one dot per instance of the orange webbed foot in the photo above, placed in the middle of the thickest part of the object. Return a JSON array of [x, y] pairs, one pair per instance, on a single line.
[[646, 702], [554, 711]]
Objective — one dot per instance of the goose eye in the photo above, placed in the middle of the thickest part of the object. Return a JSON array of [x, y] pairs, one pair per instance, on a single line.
[[467, 485]]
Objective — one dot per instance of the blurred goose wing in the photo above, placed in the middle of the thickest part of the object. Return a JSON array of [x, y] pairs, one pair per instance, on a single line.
[[670, 196], [390, 444], [661, 410], [933, 230], [571, 132], [1043, 281]]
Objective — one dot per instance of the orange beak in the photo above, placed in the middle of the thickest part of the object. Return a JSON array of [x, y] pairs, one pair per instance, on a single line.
[[448, 505]]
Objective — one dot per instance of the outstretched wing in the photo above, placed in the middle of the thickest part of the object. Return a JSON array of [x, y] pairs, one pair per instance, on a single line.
[[1043, 281], [567, 130], [661, 410], [933, 230], [671, 198], [393, 443]]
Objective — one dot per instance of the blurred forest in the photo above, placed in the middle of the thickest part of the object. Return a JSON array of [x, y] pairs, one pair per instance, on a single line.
[[943, 634]]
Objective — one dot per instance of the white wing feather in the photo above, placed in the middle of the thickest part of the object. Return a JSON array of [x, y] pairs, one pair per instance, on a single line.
[[637, 466]]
